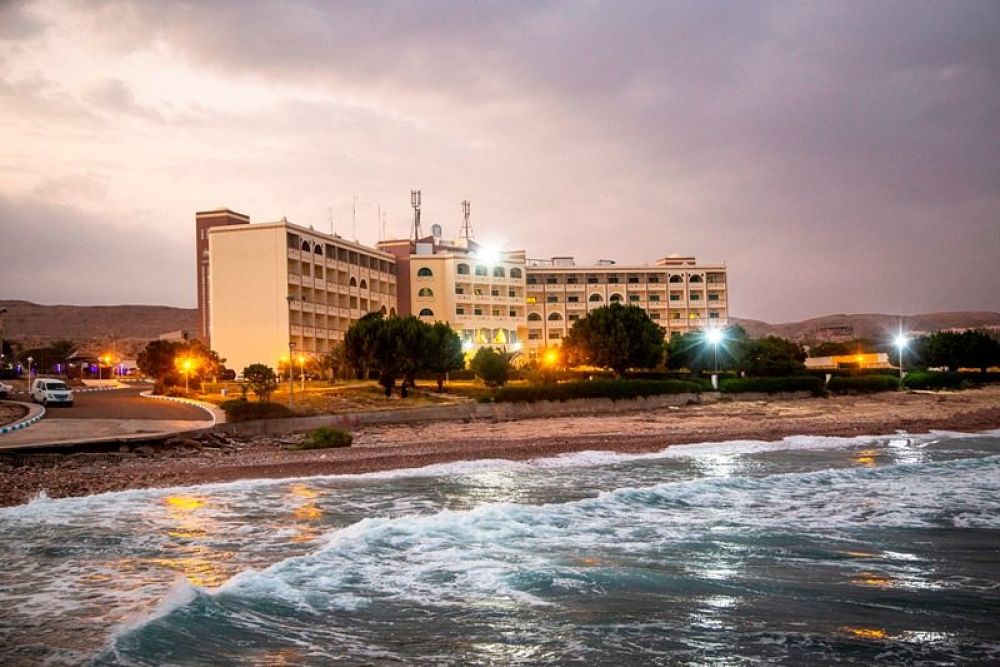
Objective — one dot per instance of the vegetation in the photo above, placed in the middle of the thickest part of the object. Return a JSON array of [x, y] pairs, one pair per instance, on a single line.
[[693, 351], [613, 389], [46, 358], [491, 366], [863, 384], [396, 347], [771, 385], [240, 409], [160, 360], [616, 337], [968, 349], [261, 379], [326, 437]]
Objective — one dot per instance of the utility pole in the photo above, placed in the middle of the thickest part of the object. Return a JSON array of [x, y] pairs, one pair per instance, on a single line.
[[415, 203], [466, 232], [3, 311]]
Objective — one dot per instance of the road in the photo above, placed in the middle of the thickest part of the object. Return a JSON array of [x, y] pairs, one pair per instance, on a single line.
[[123, 404]]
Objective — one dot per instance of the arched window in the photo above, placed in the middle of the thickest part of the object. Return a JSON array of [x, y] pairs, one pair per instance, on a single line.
[[392, 312], [382, 310], [695, 279], [534, 317], [463, 269], [318, 249], [615, 298], [515, 273], [554, 316], [305, 246], [353, 282], [424, 272], [425, 291], [364, 284], [426, 312], [676, 279], [481, 270], [498, 272], [595, 298]]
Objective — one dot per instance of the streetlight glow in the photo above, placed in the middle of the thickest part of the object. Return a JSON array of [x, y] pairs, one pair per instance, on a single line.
[[713, 336]]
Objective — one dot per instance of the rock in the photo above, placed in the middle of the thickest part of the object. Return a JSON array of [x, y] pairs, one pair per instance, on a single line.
[[145, 450]]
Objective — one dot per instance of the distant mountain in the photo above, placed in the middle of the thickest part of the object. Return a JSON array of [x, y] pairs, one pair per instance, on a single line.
[[132, 326], [869, 325]]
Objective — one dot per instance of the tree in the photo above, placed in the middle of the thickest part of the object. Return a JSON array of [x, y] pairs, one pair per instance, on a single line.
[[390, 348], [359, 343], [262, 380], [954, 350], [158, 361], [694, 352], [616, 337], [774, 356], [335, 361], [444, 352], [491, 366]]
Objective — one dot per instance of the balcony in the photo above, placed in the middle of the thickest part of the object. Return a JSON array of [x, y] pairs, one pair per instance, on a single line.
[[294, 254]]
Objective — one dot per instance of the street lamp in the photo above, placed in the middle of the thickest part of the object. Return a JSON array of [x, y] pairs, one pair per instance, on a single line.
[[186, 365], [714, 337], [30, 359], [900, 342], [302, 370], [291, 355]]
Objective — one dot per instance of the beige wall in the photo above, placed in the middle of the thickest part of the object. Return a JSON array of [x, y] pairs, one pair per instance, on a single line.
[[249, 286]]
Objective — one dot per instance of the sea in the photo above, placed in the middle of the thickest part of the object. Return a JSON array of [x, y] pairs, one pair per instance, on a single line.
[[810, 550]]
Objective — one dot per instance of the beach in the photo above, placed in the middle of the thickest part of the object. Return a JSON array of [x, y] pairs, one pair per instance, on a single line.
[[217, 458]]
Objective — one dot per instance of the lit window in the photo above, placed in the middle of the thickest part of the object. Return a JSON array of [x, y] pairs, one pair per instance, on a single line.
[[424, 272], [425, 291]]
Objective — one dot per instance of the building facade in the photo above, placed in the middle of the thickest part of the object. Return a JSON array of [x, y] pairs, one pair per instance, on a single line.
[[678, 294], [271, 284], [203, 221]]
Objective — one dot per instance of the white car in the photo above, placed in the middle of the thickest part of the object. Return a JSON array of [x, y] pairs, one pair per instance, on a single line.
[[5, 390], [51, 391]]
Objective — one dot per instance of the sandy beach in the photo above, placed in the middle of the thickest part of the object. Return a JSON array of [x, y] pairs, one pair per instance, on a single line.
[[219, 459]]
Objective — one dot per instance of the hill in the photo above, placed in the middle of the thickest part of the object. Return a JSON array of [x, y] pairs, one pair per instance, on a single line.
[[870, 325]]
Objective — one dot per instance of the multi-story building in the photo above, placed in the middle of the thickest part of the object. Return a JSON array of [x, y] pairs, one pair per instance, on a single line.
[[271, 284], [678, 293], [203, 221], [477, 290]]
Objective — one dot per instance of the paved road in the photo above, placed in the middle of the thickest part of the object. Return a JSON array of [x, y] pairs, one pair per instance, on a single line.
[[123, 404]]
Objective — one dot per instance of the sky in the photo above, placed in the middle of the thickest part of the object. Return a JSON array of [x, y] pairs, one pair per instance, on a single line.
[[838, 157]]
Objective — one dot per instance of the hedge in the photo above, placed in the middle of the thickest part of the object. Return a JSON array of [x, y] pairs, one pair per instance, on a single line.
[[942, 380], [239, 410], [613, 389], [771, 385], [863, 384]]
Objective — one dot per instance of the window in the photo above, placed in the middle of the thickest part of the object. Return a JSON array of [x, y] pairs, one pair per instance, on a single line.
[[654, 316], [612, 279], [426, 312], [515, 273], [555, 333], [496, 312], [534, 335], [459, 290], [353, 282], [463, 269], [425, 291], [615, 298], [477, 311], [512, 313], [534, 317], [695, 296], [494, 292], [554, 317], [572, 280], [591, 280], [674, 315], [305, 246], [364, 284], [573, 317], [424, 272], [594, 298], [318, 249], [654, 297], [532, 280], [696, 279], [675, 296], [634, 298], [481, 270], [676, 279], [713, 316], [552, 298], [498, 272], [633, 279], [531, 299], [551, 280], [478, 291], [654, 279], [573, 298], [460, 310], [713, 296], [511, 293]]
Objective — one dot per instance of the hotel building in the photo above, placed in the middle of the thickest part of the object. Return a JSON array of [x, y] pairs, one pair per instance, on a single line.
[[271, 284], [268, 284]]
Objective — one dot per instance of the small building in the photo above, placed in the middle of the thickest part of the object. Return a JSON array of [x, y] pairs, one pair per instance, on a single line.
[[842, 361]]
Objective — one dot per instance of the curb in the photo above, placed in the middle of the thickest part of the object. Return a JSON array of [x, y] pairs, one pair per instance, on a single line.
[[218, 417], [88, 390], [27, 421]]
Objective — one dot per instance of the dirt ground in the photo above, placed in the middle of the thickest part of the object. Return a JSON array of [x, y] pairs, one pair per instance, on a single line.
[[9, 412], [217, 458]]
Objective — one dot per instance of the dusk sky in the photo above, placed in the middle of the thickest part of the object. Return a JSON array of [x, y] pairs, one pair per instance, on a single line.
[[839, 157]]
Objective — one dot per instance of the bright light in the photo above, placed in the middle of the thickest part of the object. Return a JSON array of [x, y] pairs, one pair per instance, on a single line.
[[514, 347], [489, 255], [900, 341], [467, 345], [713, 336], [551, 357], [302, 359]]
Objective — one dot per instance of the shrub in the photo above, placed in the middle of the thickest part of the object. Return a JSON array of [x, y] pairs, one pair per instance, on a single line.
[[937, 380], [326, 437], [771, 385], [863, 384], [175, 392], [240, 410], [492, 367], [613, 389]]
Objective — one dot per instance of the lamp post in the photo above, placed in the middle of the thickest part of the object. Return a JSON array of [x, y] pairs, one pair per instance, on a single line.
[[30, 359], [3, 311], [302, 371], [291, 356], [900, 343], [714, 336]]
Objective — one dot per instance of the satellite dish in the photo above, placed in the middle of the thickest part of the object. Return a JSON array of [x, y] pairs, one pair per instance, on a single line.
[[436, 231]]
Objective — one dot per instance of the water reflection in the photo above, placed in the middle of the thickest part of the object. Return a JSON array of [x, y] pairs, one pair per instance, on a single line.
[[306, 514], [188, 553], [866, 633]]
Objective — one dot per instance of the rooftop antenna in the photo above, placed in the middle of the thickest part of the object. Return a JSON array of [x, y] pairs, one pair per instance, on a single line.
[[354, 217], [384, 229], [415, 203], [466, 232], [378, 223], [329, 218]]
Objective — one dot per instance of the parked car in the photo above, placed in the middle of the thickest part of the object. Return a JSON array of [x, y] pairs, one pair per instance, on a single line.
[[5, 390], [51, 391]]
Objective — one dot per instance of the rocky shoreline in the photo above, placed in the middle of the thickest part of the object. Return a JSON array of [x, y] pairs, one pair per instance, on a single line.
[[214, 457]]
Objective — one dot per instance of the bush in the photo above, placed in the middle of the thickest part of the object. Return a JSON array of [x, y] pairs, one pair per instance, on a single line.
[[938, 380], [772, 385], [241, 410], [863, 384], [175, 392], [613, 389], [326, 437]]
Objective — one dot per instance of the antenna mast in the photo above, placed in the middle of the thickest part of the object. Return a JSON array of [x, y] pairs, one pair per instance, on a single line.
[[354, 217], [415, 203], [329, 218], [466, 232]]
